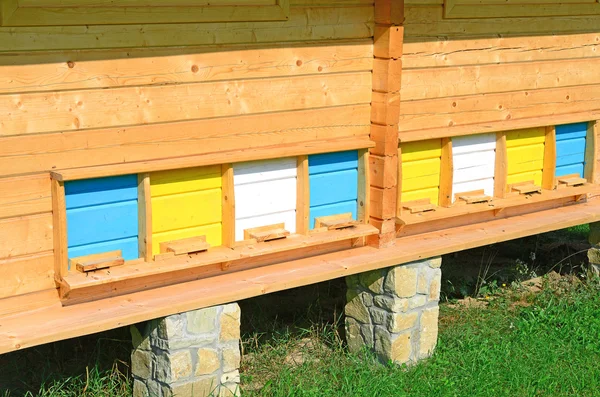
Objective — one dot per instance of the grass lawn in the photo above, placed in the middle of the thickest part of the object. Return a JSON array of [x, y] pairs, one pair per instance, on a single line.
[[517, 342]]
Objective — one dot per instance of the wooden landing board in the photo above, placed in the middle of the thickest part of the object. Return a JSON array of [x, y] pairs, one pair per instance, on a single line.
[[335, 222], [170, 269], [528, 188], [52, 322], [102, 263], [474, 198], [185, 246], [572, 181], [418, 206], [266, 233]]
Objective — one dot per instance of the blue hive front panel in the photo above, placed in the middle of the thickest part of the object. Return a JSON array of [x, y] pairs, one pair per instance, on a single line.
[[102, 215], [570, 149], [333, 179]]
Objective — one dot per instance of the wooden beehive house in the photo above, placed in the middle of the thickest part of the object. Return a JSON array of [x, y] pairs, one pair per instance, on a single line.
[[171, 155]]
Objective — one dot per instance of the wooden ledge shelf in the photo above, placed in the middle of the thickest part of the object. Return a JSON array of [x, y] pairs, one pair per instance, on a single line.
[[223, 157], [42, 319], [79, 287], [495, 205]]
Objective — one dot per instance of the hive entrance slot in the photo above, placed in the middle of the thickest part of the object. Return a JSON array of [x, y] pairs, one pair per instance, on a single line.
[[93, 262], [184, 246], [474, 197], [418, 206], [526, 188], [335, 222], [572, 181], [266, 233]]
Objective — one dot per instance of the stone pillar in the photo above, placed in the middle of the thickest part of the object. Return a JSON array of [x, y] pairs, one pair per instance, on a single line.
[[196, 353], [394, 311], [594, 252]]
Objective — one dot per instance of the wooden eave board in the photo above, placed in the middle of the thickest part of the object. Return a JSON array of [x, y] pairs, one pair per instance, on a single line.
[[233, 156], [497, 204], [54, 322]]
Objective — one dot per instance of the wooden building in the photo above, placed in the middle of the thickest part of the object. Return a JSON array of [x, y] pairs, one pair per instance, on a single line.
[[161, 156]]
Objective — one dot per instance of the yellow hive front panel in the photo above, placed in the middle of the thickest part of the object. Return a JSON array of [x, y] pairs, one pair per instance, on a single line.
[[525, 155], [186, 203], [421, 163]]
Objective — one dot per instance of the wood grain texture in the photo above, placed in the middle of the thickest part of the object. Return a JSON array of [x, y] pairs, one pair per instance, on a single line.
[[186, 203], [474, 161], [26, 274], [265, 194], [68, 149], [102, 215], [549, 168], [25, 235], [333, 184], [305, 23], [77, 70], [25, 195], [71, 110], [591, 156]]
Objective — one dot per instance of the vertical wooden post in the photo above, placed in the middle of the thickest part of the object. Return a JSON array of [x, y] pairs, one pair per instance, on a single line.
[[385, 116], [501, 168], [302, 196], [549, 167], [590, 171], [228, 206], [446, 174], [59, 225], [144, 217], [363, 186]]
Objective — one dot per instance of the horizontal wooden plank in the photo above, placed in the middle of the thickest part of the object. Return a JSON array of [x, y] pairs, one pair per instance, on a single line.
[[25, 274], [233, 156], [25, 195], [76, 70], [495, 50], [73, 110], [304, 24], [428, 22], [25, 235], [56, 322], [430, 83], [20, 154], [123, 279], [481, 113]]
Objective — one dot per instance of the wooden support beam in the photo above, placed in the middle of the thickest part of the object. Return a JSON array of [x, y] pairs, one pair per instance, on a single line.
[[591, 170], [364, 183], [59, 227], [501, 166], [549, 167], [144, 217], [446, 174], [228, 206], [303, 195]]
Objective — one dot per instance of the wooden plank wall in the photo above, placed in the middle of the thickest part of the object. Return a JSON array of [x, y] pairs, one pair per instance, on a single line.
[[80, 96], [477, 73]]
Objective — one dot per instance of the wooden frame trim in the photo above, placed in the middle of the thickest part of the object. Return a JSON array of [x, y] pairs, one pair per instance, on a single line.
[[133, 277], [549, 165], [446, 174], [523, 8], [501, 166], [59, 229], [263, 153], [496, 126], [227, 206], [302, 195], [144, 217], [56, 13], [364, 187], [592, 148]]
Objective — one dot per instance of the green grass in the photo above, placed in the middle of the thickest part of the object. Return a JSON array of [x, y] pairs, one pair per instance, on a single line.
[[549, 348]]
